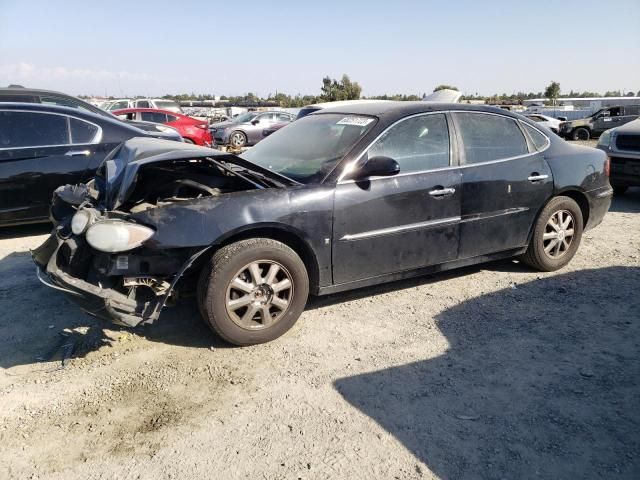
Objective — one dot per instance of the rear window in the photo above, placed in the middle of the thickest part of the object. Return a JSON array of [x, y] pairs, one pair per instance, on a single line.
[[154, 117], [31, 129], [490, 137], [539, 140]]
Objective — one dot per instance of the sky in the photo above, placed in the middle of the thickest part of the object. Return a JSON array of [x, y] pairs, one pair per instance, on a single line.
[[151, 48]]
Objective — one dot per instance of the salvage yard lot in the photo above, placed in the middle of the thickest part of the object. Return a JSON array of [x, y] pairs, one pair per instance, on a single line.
[[494, 371]]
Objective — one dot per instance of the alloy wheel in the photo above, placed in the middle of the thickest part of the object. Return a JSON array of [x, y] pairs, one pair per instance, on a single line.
[[237, 140], [259, 295], [558, 234]]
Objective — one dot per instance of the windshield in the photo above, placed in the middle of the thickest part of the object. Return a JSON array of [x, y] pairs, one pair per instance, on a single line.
[[245, 117], [309, 148]]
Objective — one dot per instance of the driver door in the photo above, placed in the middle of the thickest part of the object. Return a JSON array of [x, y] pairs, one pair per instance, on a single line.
[[385, 225]]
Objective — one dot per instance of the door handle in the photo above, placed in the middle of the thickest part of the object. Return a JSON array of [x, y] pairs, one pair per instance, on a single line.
[[534, 177], [442, 192], [78, 153]]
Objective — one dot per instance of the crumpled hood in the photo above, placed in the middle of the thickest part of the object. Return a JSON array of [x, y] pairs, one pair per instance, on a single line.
[[117, 175]]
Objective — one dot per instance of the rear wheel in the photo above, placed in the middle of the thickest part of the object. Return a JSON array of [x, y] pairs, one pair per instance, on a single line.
[[581, 133], [253, 291], [556, 235]]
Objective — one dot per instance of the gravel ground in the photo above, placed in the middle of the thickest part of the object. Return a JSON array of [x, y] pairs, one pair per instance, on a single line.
[[488, 372]]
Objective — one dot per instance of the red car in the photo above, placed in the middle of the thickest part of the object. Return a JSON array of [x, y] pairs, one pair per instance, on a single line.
[[192, 130]]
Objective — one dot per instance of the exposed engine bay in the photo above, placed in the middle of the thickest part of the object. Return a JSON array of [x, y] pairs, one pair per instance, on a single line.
[[162, 184]]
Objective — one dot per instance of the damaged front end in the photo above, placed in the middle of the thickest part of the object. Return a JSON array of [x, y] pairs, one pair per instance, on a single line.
[[103, 256]]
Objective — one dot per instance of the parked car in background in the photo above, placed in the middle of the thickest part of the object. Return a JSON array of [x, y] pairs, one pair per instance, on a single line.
[[155, 103], [603, 119], [622, 145], [551, 123], [47, 97], [347, 197], [246, 129], [45, 146], [192, 130]]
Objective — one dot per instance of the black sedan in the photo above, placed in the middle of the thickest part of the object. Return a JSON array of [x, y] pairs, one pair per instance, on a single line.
[[43, 147], [343, 198]]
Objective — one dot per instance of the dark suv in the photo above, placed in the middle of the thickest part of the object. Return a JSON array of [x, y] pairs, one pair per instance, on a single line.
[[603, 119]]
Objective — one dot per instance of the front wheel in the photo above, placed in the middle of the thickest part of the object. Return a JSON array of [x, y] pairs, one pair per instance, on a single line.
[[238, 139], [556, 235], [253, 291], [581, 134]]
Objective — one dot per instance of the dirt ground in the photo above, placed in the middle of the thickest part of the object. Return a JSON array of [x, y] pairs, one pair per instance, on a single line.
[[494, 372]]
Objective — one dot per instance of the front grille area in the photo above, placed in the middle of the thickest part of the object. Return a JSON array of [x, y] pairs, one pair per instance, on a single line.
[[628, 142]]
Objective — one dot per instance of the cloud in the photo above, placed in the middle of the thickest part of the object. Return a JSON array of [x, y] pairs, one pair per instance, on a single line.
[[20, 72]]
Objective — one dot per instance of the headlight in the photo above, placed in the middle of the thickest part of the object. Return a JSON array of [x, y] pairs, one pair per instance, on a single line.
[[117, 236], [81, 220], [605, 139]]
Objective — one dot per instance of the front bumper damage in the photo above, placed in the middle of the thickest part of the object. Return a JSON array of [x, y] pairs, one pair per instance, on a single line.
[[95, 299]]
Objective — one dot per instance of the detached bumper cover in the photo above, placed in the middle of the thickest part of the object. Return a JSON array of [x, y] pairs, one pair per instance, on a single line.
[[104, 303]]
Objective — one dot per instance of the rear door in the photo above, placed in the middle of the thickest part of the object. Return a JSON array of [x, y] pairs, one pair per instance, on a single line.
[[392, 224], [38, 153], [505, 182]]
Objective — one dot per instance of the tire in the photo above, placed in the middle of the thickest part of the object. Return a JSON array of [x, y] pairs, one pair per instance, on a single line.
[[237, 139], [619, 189], [250, 315], [581, 133], [538, 254], [188, 140]]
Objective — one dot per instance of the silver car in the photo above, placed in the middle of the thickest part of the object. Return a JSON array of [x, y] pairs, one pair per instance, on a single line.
[[246, 129]]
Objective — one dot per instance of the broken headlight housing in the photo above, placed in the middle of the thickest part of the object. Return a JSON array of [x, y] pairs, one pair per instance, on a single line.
[[117, 236], [81, 220]]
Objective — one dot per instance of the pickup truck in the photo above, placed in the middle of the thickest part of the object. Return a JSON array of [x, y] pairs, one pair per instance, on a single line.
[[622, 145], [604, 119]]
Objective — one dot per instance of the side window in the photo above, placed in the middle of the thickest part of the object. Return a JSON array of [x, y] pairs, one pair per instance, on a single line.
[[490, 137], [283, 117], [539, 140], [417, 144], [119, 105], [142, 104], [153, 117], [30, 129], [171, 118], [632, 110], [82, 132]]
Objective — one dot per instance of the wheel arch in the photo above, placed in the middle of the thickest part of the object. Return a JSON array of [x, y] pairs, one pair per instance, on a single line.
[[291, 237], [573, 193]]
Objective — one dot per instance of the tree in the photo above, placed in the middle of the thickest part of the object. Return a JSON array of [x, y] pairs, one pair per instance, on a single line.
[[345, 89], [630, 94], [445, 87], [552, 92]]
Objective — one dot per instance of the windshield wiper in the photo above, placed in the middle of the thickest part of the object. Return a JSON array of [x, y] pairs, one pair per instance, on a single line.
[[259, 176]]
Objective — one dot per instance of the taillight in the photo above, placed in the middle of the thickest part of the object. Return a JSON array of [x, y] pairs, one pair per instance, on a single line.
[[607, 166], [204, 126]]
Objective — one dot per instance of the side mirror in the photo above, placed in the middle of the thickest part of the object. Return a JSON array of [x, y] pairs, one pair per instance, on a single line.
[[378, 167], [255, 122]]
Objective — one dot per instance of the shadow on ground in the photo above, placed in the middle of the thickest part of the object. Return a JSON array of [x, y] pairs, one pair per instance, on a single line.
[[627, 203], [541, 381]]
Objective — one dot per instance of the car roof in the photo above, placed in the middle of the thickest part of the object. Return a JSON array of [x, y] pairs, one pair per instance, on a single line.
[[400, 109], [341, 103], [72, 112]]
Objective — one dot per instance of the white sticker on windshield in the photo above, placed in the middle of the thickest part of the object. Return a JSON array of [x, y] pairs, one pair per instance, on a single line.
[[355, 121]]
